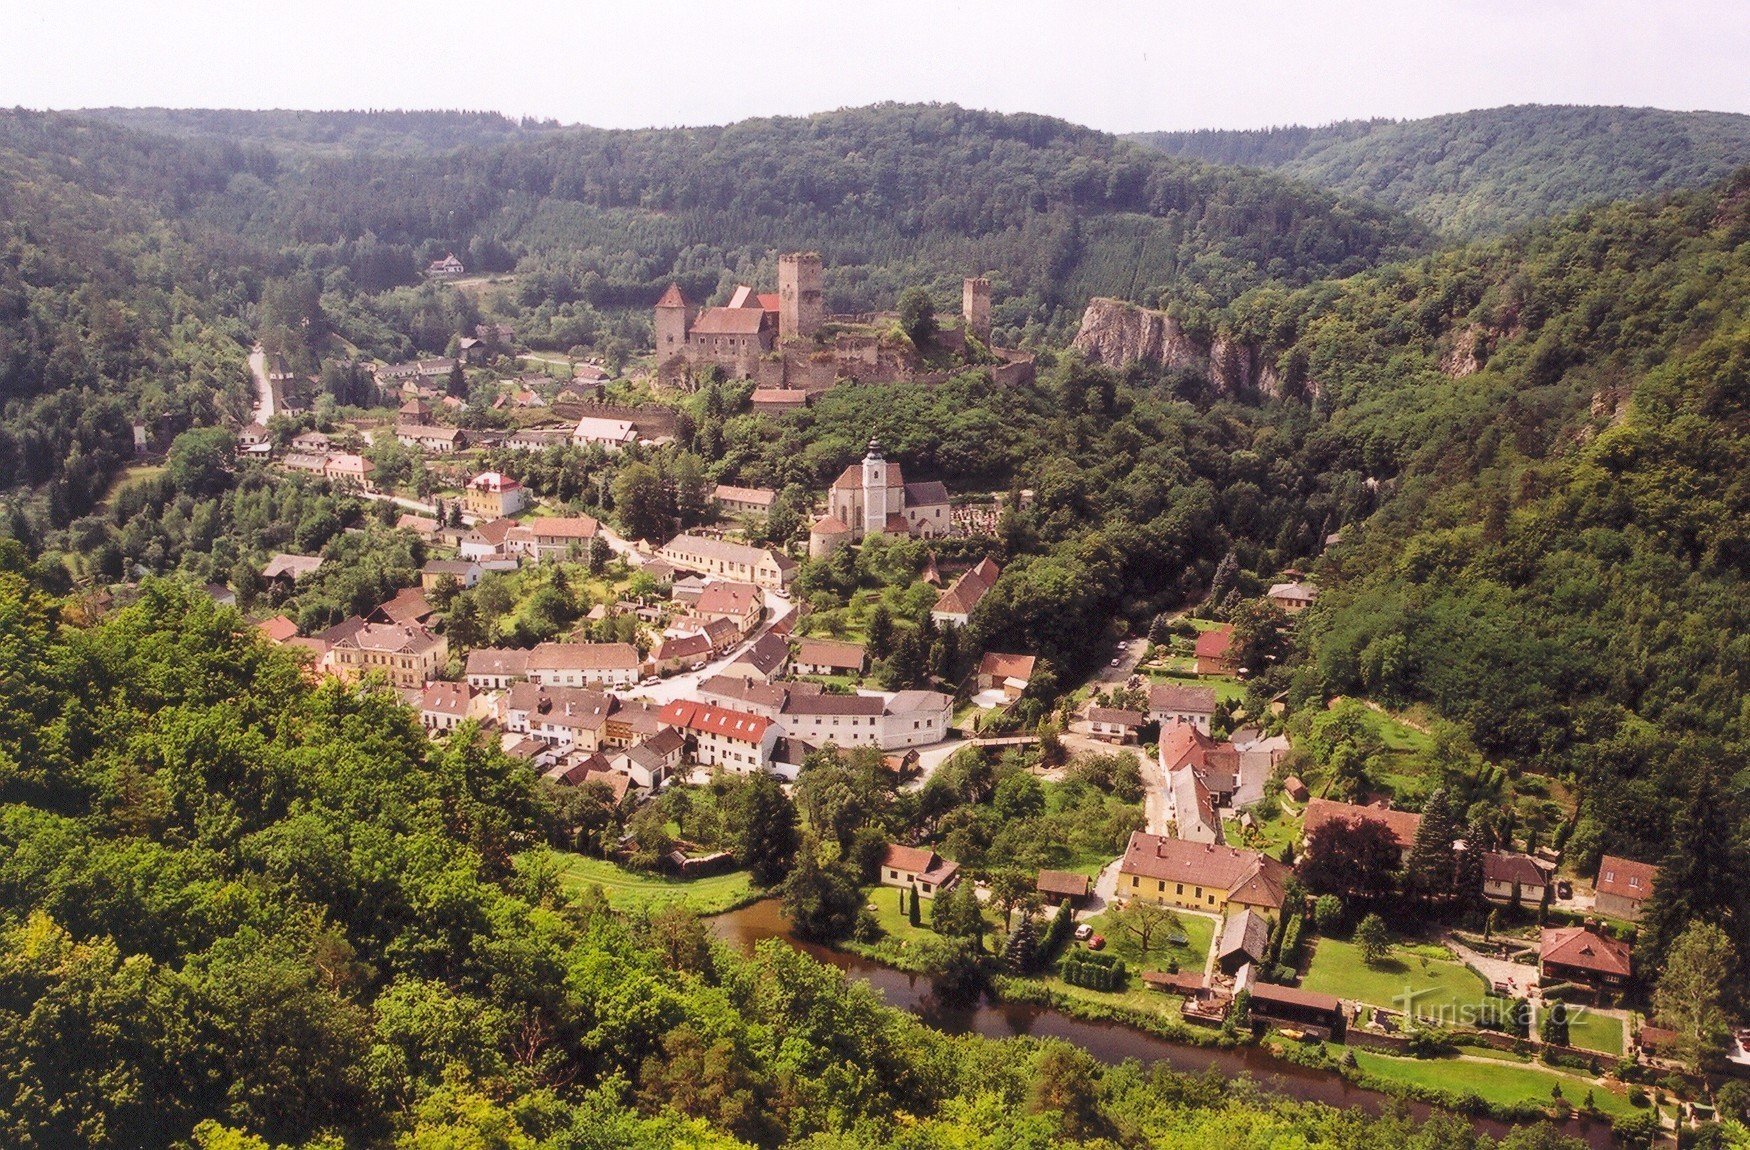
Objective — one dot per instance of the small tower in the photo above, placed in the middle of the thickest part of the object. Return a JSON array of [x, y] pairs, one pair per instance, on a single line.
[[801, 306], [975, 308], [674, 318], [874, 490]]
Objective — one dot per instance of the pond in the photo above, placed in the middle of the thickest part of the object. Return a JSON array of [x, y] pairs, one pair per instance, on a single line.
[[1108, 1041]]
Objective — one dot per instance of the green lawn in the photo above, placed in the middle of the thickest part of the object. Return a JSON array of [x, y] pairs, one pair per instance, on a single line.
[[1437, 987], [1192, 954], [897, 925], [1395, 735], [1600, 1032], [1269, 837], [631, 890], [1492, 1080], [1226, 690]]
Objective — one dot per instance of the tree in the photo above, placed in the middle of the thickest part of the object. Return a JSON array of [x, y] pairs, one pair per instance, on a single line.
[[1327, 913], [1698, 967], [1065, 1082], [1022, 950], [1350, 857], [639, 502], [1553, 1029], [769, 833], [957, 913], [1148, 923], [1373, 939], [600, 552], [879, 632], [821, 901], [199, 461], [917, 316], [1430, 869], [1008, 888], [913, 913], [1703, 877]]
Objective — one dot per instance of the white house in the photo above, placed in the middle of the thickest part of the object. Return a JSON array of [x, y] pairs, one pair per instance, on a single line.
[[583, 665]]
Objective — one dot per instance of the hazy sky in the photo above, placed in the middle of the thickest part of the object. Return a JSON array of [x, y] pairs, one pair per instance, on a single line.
[[1118, 66]]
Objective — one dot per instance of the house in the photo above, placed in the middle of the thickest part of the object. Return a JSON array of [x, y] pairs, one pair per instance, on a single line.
[[1201, 876], [1114, 724], [873, 498], [495, 668], [608, 434], [890, 722], [1623, 887], [1168, 704], [756, 565], [1302, 1009], [740, 603], [564, 718], [649, 762], [309, 464], [1519, 880], [407, 605], [407, 654], [277, 629], [1196, 808], [557, 536], [1059, 886], [311, 443], [488, 540], [1401, 824], [829, 657], [1214, 651], [735, 337], [744, 500], [538, 438], [448, 268], [734, 740], [1008, 674], [753, 696], [463, 572], [955, 605], [1580, 954], [284, 570], [446, 706], [778, 400], [423, 526], [414, 412], [584, 664], [672, 654], [918, 868], [1211, 766], [1293, 598], [1295, 789], [253, 435], [430, 439], [1245, 938], [344, 469], [493, 495], [765, 659]]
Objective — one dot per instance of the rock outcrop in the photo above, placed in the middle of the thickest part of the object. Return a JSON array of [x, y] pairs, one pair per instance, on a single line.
[[1116, 333]]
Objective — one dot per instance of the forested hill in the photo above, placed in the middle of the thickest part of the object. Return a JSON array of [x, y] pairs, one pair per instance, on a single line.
[[387, 132], [1482, 173]]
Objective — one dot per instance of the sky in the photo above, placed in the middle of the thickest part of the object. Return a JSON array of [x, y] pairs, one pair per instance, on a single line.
[[1165, 65]]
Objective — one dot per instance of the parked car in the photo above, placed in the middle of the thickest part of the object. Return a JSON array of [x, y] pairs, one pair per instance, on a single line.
[[1564, 890], [1083, 930], [1096, 941]]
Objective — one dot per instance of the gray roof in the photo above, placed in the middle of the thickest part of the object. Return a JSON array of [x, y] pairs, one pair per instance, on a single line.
[[1245, 933]]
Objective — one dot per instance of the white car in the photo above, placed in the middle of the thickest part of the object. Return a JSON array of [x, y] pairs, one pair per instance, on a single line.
[[1083, 930], [1115, 662]]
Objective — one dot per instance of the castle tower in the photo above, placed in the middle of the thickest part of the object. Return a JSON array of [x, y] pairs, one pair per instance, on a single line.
[[801, 304], [975, 308], [874, 491], [674, 318]]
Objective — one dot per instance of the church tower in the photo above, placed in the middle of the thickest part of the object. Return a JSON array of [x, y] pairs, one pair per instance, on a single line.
[[874, 490]]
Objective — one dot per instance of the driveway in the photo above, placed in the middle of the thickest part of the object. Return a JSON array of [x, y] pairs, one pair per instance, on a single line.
[[266, 402], [1128, 654], [1521, 977]]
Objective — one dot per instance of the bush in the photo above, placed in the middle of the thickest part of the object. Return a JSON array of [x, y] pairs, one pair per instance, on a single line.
[[1094, 971], [1637, 1096], [1289, 955]]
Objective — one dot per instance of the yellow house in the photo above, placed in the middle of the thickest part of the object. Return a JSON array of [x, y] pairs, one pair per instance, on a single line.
[[1200, 876]]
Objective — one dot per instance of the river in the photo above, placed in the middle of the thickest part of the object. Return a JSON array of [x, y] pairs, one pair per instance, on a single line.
[[1108, 1041]]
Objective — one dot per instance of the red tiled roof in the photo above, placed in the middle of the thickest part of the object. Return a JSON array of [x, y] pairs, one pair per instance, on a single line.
[[277, 629], [563, 527], [829, 653], [1583, 949], [1625, 878], [829, 525], [728, 599], [1401, 824], [706, 719], [997, 665], [1062, 882], [583, 656], [673, 297], [1215, 643], [1192, 700], [1246, 875]]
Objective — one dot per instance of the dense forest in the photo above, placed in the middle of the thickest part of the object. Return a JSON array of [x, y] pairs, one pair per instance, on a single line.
[[238, 911], [389, 131], [1475, 174]]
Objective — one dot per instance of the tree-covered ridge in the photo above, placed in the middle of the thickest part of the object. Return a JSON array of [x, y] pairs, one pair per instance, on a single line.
[[1474, 174], [294, 131], [245, 911]]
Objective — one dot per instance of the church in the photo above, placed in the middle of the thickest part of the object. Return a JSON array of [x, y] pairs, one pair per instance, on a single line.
[[873, 498]]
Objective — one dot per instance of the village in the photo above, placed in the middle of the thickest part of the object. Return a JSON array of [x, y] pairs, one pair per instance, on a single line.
[[1241, 897]]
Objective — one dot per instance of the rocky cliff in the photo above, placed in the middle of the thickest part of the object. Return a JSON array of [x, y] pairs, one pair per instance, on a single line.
[[1116, 333]]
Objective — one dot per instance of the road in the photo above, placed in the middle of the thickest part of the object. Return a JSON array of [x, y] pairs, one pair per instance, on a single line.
[[1128, 653], [686, 684], [267, 404]]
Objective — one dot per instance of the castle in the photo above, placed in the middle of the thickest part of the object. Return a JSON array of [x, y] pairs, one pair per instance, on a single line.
[[771, 338], [873, 498]]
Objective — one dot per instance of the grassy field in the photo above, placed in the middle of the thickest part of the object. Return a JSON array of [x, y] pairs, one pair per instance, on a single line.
[[1600, 1032], [127, 477], [1268, 837], [896, 925], [1226, 690], [1438, 987], [1396, 736], [629, 890], [1192, 954], [1492, 1081]]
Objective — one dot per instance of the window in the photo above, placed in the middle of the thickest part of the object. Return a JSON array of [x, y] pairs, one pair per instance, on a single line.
[[1181, 888], [1135, 881], [1162, 885]]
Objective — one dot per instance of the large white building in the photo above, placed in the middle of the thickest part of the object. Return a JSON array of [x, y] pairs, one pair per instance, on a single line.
[[873, 498]]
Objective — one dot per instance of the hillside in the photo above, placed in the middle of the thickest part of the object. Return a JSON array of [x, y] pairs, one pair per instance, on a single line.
[[332, 132], [1482, 173]]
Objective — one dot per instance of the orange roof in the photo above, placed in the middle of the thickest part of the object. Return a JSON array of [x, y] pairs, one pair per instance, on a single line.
[[1000, 666], [769, 300], [673, 297], [1248, 876], [829, 525], [1215, 642], [711, 720], [1401, 824], [277, 629]]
